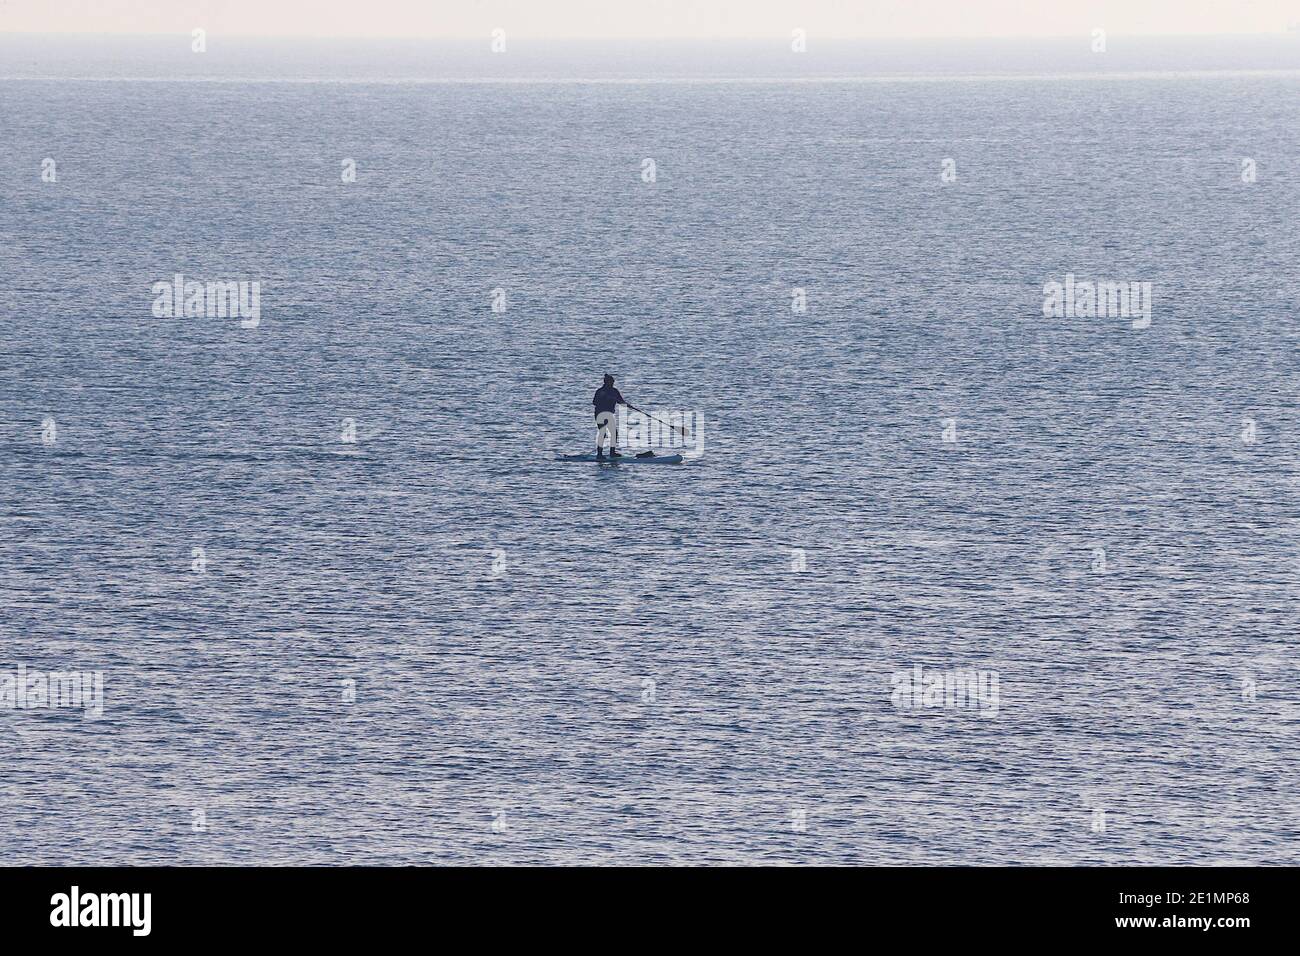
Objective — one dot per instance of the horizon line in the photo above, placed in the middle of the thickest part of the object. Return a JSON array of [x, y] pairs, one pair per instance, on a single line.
[[879, 79]]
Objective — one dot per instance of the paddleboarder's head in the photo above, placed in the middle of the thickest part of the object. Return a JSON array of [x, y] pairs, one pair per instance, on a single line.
[[609, 379]]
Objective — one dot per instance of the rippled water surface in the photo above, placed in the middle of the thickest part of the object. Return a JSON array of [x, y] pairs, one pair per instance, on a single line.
[[561, 663]]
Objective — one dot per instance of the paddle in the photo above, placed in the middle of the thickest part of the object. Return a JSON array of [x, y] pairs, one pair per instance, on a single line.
[[680, 429]]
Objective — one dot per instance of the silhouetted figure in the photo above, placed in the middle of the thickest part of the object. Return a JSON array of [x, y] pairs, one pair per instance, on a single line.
[[607, 399]]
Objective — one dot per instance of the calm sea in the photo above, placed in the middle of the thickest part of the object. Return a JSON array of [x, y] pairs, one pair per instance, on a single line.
[[436, 644]]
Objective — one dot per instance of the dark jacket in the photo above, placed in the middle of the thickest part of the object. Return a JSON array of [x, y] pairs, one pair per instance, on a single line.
[[607, 399]]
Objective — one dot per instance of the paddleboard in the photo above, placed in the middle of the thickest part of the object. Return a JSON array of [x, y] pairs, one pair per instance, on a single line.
[[625, 459]]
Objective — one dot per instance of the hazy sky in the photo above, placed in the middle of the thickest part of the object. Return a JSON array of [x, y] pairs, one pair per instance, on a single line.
[[651, 18]]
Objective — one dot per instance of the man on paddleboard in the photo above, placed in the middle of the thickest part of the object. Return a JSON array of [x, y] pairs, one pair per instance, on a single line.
[[607, 399]]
